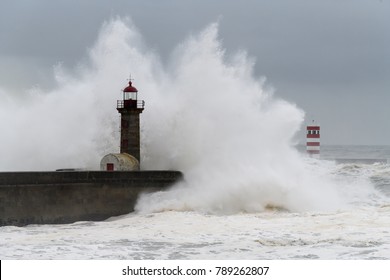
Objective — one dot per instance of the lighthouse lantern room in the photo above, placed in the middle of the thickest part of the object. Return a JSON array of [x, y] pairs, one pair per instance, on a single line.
[[130, 99]]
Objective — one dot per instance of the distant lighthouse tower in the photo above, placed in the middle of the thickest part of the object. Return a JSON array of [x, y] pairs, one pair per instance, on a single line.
[[130, 108], [313, 140]]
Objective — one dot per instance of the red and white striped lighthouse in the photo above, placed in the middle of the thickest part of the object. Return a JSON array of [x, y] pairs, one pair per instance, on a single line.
[[313, 140]]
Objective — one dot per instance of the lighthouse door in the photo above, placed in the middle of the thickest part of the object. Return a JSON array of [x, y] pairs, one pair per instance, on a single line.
[[110, 167]]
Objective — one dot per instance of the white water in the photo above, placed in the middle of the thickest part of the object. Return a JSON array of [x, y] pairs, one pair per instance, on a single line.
[[360, 234], [208, 116]]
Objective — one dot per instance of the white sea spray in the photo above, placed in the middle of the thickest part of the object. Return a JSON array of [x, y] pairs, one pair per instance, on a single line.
[[206, 114]]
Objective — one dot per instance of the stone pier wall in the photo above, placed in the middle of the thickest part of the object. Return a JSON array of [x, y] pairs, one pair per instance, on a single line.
[[66, 197]]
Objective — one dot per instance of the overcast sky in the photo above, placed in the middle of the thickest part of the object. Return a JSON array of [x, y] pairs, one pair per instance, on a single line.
[[330, 57]]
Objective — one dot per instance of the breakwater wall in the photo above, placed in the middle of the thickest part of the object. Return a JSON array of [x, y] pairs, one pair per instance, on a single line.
[[69, 196]]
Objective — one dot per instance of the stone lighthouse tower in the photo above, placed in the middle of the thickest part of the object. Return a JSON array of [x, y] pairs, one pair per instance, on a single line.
[[130, 108], [129, 157]]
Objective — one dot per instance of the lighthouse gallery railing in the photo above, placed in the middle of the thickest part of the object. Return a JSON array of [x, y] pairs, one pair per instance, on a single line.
[[136, 104]]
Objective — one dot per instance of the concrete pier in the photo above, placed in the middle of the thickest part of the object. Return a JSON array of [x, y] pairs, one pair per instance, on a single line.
[[65, 197]]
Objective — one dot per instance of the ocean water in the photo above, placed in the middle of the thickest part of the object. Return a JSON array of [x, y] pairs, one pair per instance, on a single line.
[[249, 191], [359, 230]]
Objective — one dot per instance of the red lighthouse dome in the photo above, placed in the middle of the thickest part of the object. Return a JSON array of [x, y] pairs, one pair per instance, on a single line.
[[130, 88]]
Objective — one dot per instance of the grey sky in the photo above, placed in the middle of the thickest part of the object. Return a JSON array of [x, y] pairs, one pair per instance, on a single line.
[[330, 57]]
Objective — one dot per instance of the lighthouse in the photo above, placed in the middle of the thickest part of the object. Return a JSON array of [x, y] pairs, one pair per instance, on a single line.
[[129, 157], [313, 140], [130, 109]]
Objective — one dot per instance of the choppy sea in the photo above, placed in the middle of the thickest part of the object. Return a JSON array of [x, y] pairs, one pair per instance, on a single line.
[[359, 231]]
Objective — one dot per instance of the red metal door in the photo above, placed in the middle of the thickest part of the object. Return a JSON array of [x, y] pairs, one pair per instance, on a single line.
[[110, 167]]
